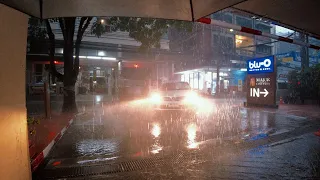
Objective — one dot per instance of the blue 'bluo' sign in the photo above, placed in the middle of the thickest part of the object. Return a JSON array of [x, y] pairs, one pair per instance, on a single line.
[[260, 65]]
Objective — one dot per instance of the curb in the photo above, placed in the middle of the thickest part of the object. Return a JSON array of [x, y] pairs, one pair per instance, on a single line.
[[40, 157]]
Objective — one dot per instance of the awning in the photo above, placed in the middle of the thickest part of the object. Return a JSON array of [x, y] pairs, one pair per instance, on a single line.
[[302, 15]]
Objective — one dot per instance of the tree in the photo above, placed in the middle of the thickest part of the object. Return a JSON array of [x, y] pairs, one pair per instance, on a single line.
[[71, 63], [223, 49], [145, 30], [306, 82]]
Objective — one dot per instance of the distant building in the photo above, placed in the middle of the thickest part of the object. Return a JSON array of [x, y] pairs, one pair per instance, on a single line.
[[209, 47], [99, 60], [289, 55]]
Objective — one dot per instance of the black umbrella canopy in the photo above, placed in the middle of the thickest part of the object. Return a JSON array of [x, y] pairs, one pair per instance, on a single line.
[[299, 14], [167, 9]]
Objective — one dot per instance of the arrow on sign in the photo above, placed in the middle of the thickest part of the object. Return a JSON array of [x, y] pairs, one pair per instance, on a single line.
[[265, 93]]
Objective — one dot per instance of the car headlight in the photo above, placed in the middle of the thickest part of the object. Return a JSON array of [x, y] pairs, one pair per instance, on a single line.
[[191, 98], [155, 98]]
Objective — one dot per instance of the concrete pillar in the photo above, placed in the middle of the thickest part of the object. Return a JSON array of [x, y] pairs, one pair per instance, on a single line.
[[14, 152], [116, 81], [110, 82], [304, 52], [119, 65]]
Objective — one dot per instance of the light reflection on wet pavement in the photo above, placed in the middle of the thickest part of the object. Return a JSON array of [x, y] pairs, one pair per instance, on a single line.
[[131, 130]]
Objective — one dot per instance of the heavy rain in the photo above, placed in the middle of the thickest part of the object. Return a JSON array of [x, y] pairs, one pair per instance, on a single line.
[[231, 95]]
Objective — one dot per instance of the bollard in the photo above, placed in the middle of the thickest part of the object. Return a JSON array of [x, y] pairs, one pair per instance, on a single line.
[[281, 100]]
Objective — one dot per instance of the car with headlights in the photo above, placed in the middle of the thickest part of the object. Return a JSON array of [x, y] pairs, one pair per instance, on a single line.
[[174, 96]]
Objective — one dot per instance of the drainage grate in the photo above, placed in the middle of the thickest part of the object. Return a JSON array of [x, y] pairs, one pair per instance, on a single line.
[[80, 171], [103, 169]]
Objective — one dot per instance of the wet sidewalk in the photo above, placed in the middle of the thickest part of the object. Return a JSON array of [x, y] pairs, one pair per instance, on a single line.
[[308, 111], [46, 131], [312, 111]]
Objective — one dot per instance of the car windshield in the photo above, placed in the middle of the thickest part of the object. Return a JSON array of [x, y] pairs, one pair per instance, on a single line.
[[175, 86]]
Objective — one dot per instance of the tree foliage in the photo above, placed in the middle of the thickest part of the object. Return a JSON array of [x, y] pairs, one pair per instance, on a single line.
[[148, 31], [306, 82], [36, 30]]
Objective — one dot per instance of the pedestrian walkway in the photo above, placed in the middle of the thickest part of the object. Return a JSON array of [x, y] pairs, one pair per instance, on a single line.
[[49, 130], [308, 111], [312, 111], [46, 131]]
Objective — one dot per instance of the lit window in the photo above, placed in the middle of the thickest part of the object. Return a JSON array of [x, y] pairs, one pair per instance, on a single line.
[[244, 42]]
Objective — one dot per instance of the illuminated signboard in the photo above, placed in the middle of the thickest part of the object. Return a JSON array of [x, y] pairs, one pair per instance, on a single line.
[[261, 82], [261, 65]]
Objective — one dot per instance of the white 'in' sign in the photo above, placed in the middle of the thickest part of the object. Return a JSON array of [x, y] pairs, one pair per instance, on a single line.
[[255, 92]]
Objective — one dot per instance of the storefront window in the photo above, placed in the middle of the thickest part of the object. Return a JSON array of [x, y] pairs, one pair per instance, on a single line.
[[263, 28], [182, 78], [244, 21], [224, 41], [196, 80], [264, 49], [191, 80], [214, 76], [208, 79], [186, 78], [225, 84], [201, 81], [222, 17]]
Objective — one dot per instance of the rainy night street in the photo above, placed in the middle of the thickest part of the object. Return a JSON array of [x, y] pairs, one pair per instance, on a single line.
[[130, 140]]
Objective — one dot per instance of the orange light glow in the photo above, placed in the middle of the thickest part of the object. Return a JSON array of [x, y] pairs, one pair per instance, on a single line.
[[136, 65], [56, 163], [56, 62]]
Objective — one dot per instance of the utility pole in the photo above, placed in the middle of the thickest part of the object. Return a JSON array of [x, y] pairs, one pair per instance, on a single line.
[[304, 54], [304, 51]]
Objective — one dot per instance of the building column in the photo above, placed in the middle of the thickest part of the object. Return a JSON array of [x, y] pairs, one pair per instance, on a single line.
[[198, 80], [304, 51], [194, 78], [117, 72], [212, 77], [15, 161], [110, 82]]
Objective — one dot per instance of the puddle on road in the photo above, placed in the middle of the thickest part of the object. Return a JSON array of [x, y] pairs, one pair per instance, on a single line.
[[142, 132], [93, 147]]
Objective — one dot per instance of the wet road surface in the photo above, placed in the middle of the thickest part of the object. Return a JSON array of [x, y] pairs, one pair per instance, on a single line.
[[224, 141]]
